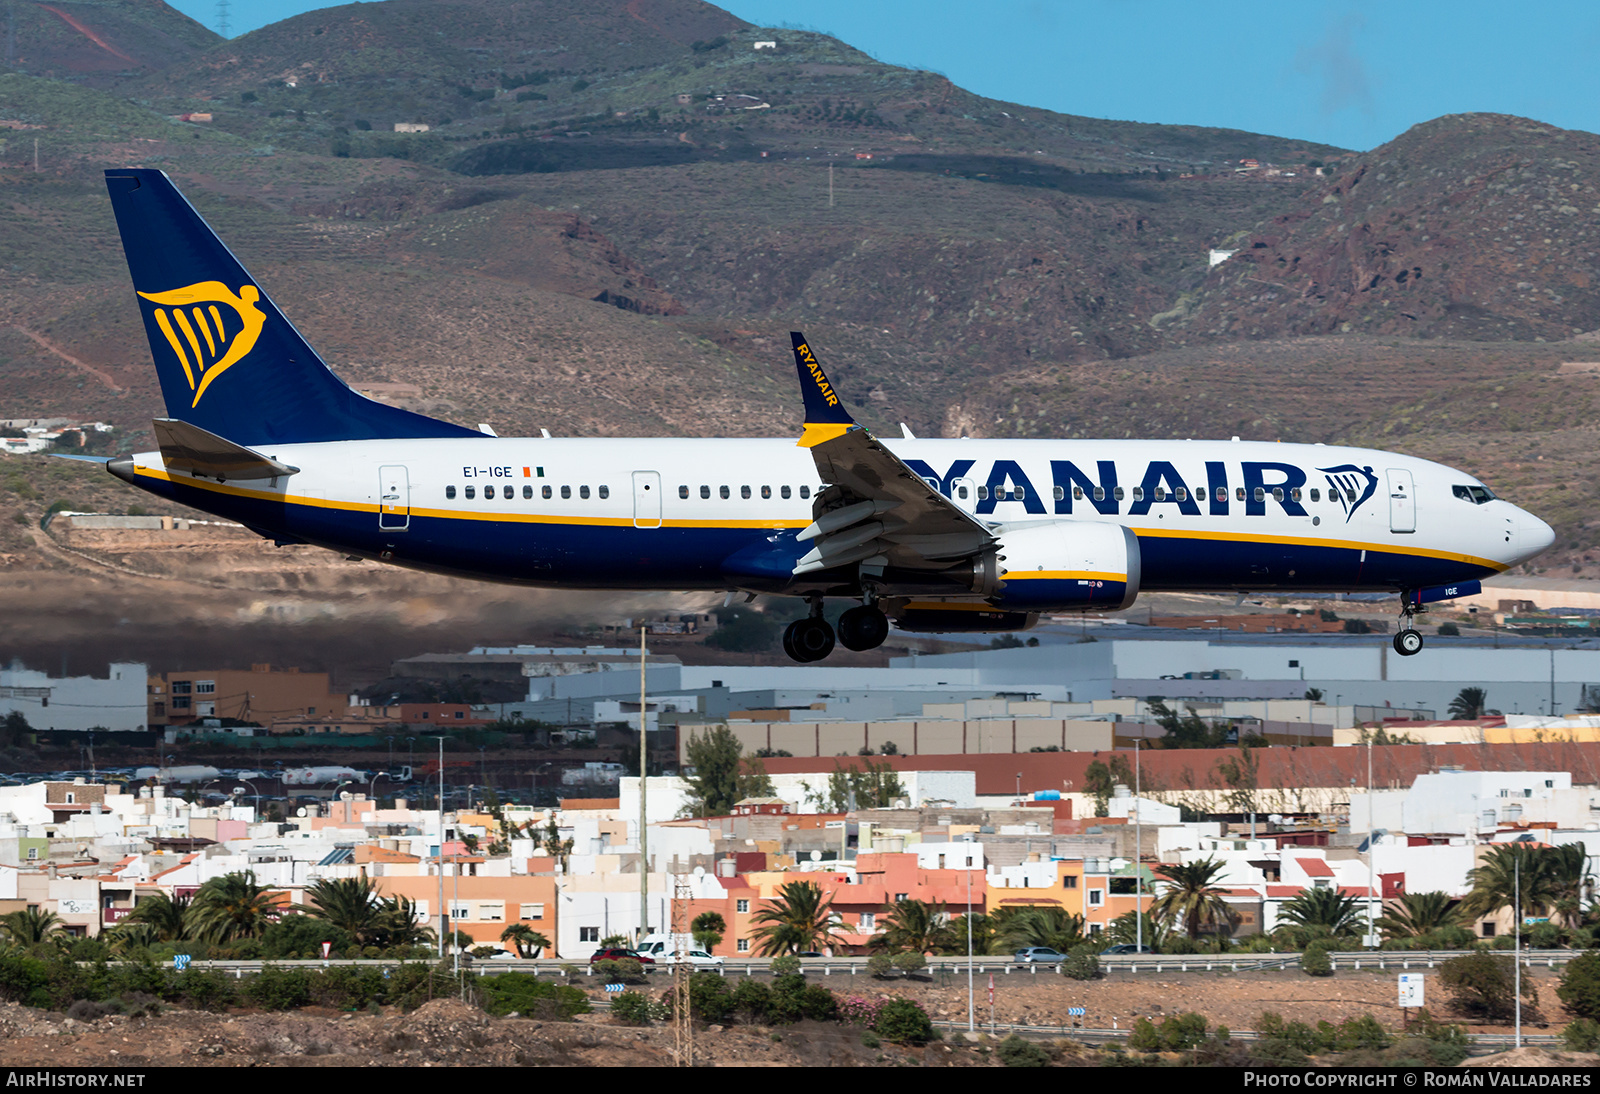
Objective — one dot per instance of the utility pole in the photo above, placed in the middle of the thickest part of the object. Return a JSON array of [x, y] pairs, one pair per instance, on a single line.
[[644, 778], [830, 183], [682, 1020], [443, 919]]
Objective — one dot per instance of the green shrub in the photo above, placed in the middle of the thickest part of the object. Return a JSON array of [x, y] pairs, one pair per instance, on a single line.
[[793, 999], [909, 963], [1582, 1035], [519, 993], [904, 1022], [204, 989], [1183, 1031], [1579, 989], [1440, 1043], [275, 988], [710, 998], [1015, 1052], [870, 1039], [1363, 1033], [1485, 984], [1297, 1035], [785, 964], [1083, 963], [1315, 961], [880, 965], [752, 1000], [1144, 1036], [631, 1008]]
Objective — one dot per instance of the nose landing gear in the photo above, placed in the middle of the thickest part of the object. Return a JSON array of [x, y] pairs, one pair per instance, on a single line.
[[1408, 642]]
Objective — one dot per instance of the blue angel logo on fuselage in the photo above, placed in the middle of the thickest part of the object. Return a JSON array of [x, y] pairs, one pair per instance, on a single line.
[[1353, 484]]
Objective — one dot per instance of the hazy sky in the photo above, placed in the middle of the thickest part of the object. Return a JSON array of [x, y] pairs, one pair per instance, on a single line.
[[1352, 74]]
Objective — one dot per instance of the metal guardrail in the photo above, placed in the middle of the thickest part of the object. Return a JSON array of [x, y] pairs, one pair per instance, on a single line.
[[983, 964]]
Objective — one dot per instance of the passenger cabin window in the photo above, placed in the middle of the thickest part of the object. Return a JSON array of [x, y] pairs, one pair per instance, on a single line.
[[583, 492], [605, 491], [1294, 494], [1222, 493], [1161, 493], [705, 491], [1316, 495], [566, 491], [783, 491], [544, 491], [983, 493], [449, 492], [1239, 493], [1277, 493], [805, 492], [488, 493], [1138, 493], [1099, 493], [1117, 493], [744, 492], [1261, 493], [470, 493], [766, 491], [724, 492], [527, 493], [683, 491], [962, 492]]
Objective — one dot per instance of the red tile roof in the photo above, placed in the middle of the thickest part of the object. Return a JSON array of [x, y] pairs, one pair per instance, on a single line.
[[1315, 867]]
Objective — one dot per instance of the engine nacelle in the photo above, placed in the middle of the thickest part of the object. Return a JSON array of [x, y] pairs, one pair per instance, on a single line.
[[1067, 566]]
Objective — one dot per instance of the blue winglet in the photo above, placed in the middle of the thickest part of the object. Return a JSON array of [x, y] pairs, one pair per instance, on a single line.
[[826, 417]]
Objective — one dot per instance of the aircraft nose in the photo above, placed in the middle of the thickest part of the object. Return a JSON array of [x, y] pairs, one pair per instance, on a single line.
[[1534, 536]]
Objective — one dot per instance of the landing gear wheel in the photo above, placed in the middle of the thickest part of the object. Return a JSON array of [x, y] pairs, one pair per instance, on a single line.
[[1408, 642], [863, 628], [807, 640]]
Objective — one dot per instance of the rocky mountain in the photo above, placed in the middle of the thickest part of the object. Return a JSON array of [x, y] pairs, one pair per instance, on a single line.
[[103, 43], [1477, 226]]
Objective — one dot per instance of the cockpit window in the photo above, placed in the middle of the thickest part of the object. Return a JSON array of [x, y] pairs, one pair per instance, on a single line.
[[1477, 495]]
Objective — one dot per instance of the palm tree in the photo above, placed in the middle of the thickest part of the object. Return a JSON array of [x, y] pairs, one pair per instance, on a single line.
[[528, 942], [983, 935], [797, 919], [1052, 926], [708, 929], [401, 925], [1469, 703], [1551, 880], [1320, 913], [30, 926], [164, 915], [915, 926], [1125, 930], [1192, 897], [349, 903], [1418, 914], [232, 906]]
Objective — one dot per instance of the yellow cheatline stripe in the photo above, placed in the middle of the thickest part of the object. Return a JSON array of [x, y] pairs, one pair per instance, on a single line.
[[818, 432], [1062, 575], [453, 514], [1299, 541]]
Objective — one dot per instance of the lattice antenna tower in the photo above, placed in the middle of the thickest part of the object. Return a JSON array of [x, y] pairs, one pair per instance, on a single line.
[[224, 27]]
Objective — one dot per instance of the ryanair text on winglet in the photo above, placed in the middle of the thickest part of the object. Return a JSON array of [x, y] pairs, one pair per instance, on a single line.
[[816, 373]]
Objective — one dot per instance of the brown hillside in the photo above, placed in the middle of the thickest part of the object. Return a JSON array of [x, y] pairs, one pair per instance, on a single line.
[[103, 41], [1476, 226]]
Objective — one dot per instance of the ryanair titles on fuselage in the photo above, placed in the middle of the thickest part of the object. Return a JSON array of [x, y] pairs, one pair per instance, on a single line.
[[1246, 488]]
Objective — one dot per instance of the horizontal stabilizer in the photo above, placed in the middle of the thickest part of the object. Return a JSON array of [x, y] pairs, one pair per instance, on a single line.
[[81, 459], [189, 448]]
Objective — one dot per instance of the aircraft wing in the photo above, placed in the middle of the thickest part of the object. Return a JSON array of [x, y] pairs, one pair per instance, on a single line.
[[876, 506]]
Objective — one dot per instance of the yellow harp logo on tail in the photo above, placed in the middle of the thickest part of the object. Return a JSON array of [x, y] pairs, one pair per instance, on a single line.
[[208, 327]]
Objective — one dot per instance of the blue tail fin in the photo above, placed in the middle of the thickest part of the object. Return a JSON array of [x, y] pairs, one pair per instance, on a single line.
[[228, 360]]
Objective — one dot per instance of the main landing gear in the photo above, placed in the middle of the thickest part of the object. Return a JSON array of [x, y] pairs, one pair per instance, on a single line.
[[1408, 642], [812, 639]]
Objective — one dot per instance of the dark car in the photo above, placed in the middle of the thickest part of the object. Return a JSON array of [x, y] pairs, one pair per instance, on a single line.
[[1126, 947], [617, 953]]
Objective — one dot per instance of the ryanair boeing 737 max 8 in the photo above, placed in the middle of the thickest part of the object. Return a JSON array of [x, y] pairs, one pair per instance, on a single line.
[[936, 535]]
